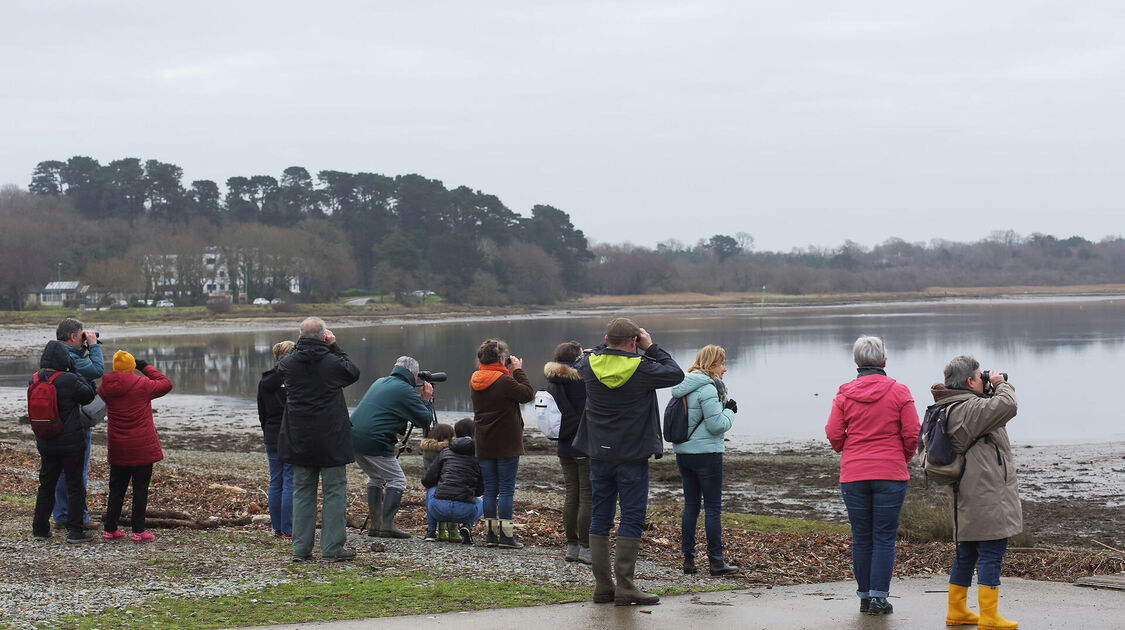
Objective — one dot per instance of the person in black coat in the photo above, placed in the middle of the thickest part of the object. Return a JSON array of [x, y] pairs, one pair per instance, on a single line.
[[566, 386], [316, 438], [65, 451], [271, 407], [454, 485]]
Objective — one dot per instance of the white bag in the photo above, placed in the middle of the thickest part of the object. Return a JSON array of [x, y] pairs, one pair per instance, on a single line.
[[547, 415]]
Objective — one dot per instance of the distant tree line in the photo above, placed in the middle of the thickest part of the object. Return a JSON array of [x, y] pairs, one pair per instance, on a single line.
[[106, 224], [726, 263], [397, 234]]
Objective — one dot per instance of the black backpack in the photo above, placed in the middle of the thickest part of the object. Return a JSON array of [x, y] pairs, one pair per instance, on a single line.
[[676, 421]]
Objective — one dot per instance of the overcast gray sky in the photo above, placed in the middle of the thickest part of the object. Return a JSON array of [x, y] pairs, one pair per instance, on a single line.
[[801, 123]]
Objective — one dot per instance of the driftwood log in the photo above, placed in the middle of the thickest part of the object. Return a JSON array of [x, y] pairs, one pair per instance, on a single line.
[[171, 519]]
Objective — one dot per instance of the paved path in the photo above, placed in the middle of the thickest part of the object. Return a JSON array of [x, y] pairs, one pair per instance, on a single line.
[[919, 604]]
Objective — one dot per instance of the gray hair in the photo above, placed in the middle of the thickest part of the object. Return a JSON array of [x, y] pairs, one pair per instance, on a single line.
[[410, 363], [869, 351], [959, 371], [312, 327], [68, 327]]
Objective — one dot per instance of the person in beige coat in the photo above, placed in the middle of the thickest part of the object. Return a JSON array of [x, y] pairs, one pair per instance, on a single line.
[[986, 501]]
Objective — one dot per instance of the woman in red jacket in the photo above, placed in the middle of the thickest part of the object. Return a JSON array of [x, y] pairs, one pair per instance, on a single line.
[[133, 445], [874, 424]]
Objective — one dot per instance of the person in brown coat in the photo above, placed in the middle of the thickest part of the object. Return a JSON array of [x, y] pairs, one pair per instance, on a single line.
[[499, 386], [986, 509]]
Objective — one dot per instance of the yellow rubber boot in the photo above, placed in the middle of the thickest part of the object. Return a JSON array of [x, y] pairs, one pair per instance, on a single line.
[[988, 598], [959, 613]]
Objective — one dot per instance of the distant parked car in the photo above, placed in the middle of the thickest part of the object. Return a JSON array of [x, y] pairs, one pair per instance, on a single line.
[[119, 304], [277, 301], [164, 304], [261, 301]]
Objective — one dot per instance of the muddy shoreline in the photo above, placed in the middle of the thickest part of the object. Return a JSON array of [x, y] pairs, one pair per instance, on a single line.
[[1074, 495]]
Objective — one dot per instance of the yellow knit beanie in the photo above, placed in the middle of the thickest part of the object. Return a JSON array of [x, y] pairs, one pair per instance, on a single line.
[[123, 362]]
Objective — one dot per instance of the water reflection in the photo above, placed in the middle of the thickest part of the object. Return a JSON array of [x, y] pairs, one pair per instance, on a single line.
[[784, 364]]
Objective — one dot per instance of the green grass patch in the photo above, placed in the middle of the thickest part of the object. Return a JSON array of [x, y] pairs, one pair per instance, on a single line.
[[15, 498], [680, 590], [322, 594], [759, 523]]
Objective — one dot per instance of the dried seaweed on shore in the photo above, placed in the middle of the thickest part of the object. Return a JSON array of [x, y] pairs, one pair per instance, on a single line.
[[194, 499]]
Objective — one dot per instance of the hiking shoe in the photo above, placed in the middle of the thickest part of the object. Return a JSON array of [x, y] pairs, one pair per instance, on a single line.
[[466, 535], [879, 606], [114, 535], [346, 554], [305, 558], [142, 537], [431, 536], [78, 539], [46, 536]]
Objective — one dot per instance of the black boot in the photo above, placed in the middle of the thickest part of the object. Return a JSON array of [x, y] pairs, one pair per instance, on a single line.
[[391, 500], [879, 606], [374, 510], [507, 538], [493, 537], [689, 565], [719, 566]]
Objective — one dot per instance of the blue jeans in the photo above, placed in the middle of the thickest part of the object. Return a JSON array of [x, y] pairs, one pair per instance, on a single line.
[[702, 477], [60, 511], [499, 485], [280, 494], [873, 510], [449, 511], [985, 555], [613, 481]]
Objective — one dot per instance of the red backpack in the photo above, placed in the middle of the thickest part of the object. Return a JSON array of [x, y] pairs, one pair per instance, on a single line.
[[43, 407]]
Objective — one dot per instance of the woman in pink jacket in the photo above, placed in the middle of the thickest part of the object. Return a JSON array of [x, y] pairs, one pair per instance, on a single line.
[[131, 438], [874, 425]]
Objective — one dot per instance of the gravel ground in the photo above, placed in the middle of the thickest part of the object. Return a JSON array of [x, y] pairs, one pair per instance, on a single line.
[[41, 582]]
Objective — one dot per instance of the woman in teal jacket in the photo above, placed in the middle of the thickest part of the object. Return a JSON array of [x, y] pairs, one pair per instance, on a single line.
[[700, 458]]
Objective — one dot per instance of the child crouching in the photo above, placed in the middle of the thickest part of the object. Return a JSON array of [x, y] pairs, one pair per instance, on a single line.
[[454, 485]]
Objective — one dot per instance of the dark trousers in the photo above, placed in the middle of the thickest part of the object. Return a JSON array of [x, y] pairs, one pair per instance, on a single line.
[[61, 488], [50, 467], [119, 478], [702, 476], [614, 481], [576, 508], [985, 555]]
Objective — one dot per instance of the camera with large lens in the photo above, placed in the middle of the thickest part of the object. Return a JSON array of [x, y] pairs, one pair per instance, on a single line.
[[432, 377], [986, 376]]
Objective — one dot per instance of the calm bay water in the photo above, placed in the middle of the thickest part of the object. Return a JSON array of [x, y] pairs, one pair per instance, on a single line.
[[784, 364]]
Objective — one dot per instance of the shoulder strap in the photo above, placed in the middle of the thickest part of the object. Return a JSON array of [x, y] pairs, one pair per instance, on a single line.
[[558, 392]]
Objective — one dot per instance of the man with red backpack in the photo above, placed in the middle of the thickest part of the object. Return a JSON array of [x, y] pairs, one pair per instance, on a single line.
[[64, 451]]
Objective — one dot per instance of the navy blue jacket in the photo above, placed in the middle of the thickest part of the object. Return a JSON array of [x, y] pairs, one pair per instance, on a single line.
[[622, 418]]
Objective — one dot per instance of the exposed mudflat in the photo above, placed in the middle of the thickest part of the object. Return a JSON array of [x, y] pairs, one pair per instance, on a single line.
[[1073, 494]]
